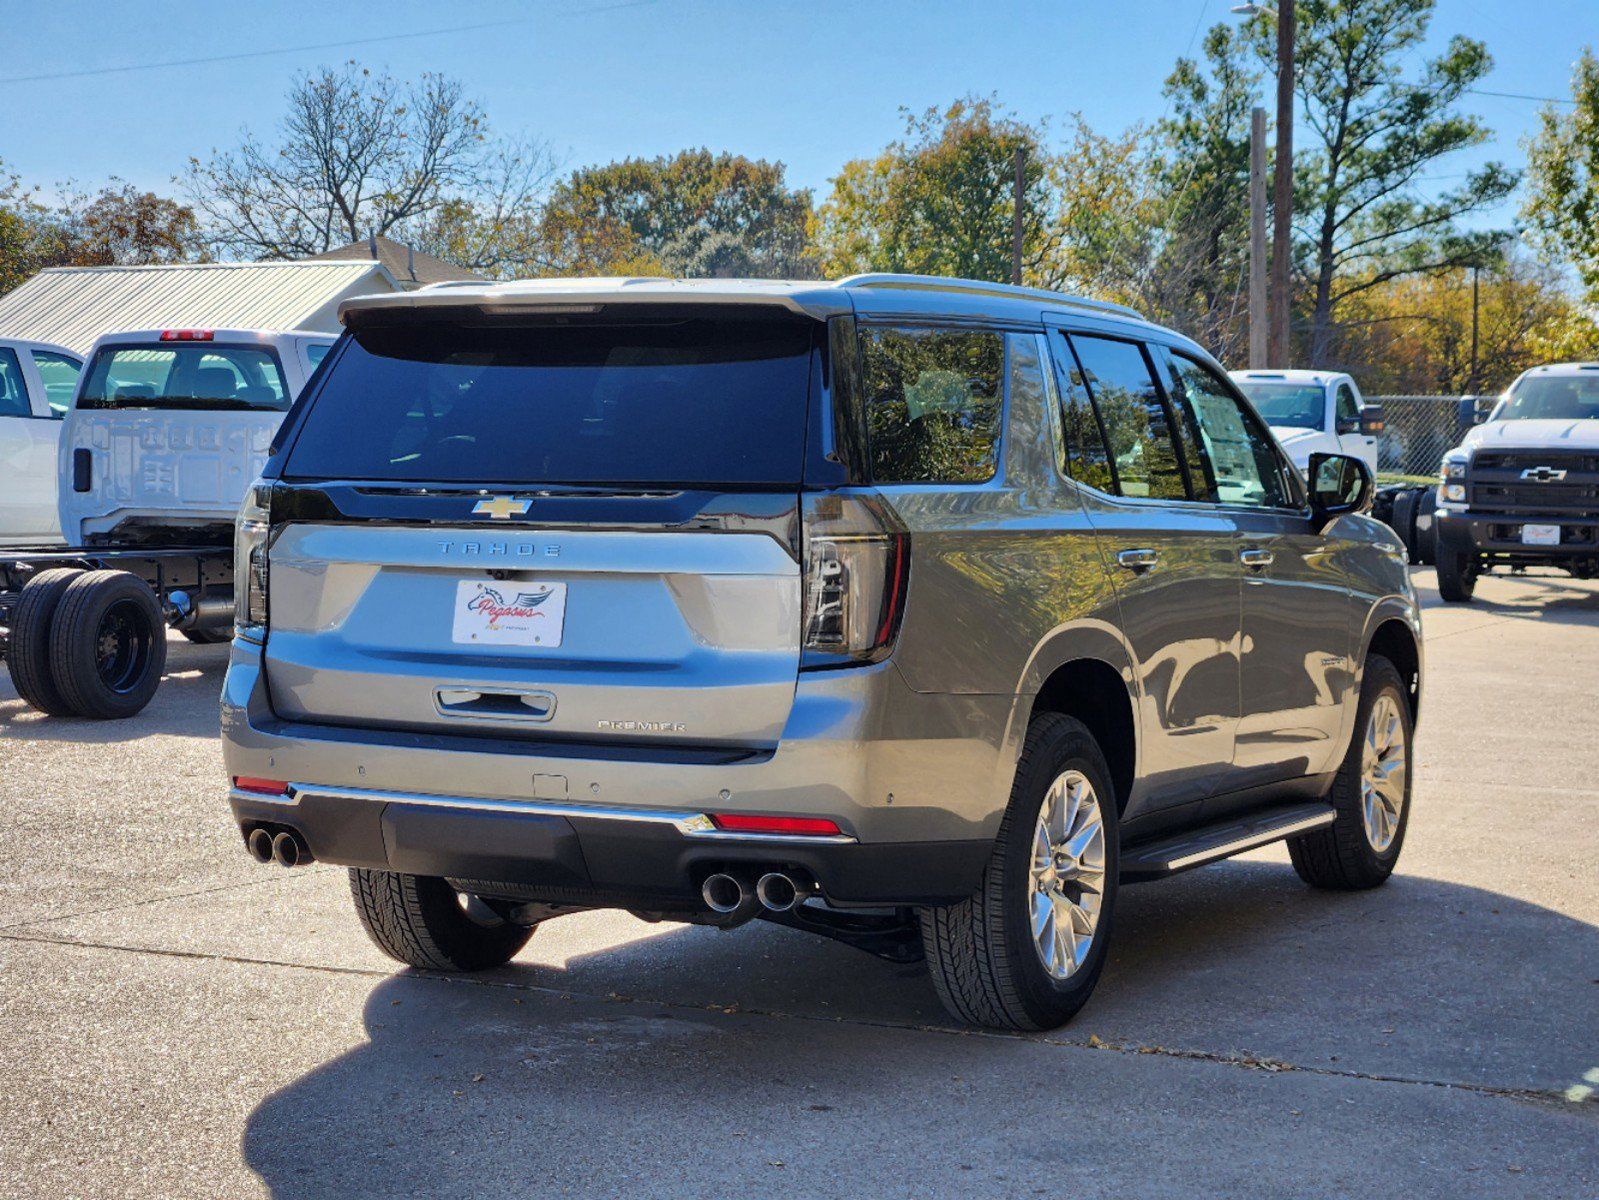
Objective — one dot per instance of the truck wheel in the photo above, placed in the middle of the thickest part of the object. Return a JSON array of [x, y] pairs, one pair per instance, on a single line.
[[1371, 792], [1404, 521], [108, 645], [1457, 575], [424, 922], [29, 652], [1025, 950]]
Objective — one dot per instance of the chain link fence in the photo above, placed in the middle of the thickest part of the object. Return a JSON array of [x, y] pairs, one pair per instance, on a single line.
[[1417, 430]]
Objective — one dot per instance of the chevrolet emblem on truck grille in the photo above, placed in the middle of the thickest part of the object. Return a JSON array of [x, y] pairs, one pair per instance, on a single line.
[[1544, 474], [501, 508]]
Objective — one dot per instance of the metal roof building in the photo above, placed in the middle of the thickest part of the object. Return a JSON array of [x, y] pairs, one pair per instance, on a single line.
[[72, 306]]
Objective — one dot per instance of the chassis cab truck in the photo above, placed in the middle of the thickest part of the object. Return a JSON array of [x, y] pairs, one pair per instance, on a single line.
[[166, 429]]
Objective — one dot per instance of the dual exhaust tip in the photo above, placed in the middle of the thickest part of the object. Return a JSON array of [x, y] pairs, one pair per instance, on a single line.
[[283, 848], [775, 891]]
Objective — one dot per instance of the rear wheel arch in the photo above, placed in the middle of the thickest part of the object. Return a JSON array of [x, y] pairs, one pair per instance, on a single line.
[[1094, 692]]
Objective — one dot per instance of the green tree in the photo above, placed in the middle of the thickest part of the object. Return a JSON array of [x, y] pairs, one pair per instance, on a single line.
[[693, 213], [1367, 138], [1562, 204], [941, 200]]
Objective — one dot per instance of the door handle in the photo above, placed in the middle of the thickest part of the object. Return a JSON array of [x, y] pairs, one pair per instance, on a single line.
[[1256, 559], [1138, 561]]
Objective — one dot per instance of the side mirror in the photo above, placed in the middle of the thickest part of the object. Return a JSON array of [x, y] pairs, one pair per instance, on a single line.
[[1482, 407], [1371, 420], [1339, 484]]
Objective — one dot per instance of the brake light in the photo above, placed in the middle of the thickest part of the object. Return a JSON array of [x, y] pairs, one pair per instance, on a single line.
[[250, 539], [187, 335], [265, 787], [857, 569], [804, 826]]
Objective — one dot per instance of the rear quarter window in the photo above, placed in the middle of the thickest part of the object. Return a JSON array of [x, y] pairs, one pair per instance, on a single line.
[[934, 399]]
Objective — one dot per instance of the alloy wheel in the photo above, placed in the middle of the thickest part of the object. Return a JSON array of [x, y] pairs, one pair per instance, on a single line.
[[1067, 875], [1383, 766]]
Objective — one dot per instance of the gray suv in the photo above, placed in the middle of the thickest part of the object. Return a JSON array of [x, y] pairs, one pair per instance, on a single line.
[[918, 613]]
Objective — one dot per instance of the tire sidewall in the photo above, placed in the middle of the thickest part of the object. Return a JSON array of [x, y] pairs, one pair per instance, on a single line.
[[74, 633], [1382, 678], [1050, 1002]]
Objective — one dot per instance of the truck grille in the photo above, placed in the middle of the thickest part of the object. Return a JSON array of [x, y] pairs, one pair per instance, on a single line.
[[1535, 483]]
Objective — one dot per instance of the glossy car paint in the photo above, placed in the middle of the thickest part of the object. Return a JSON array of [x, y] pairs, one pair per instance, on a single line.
[[1237, 681], [28, 452]]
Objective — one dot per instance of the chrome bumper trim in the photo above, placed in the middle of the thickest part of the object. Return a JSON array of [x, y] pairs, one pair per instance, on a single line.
[[691, 825]]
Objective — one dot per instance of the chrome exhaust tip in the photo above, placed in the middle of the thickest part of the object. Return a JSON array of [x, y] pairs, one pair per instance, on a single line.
[[722, 893], [259, 844], [286, 850], [778, 892]]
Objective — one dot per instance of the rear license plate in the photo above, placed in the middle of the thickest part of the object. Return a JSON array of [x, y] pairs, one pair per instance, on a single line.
[[494, 612], [1540, 535]]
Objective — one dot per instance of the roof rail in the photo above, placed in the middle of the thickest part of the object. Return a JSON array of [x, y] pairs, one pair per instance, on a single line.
[[939, 283]]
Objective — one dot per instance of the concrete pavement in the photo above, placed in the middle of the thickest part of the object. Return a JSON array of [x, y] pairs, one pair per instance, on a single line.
[[177, 1021]]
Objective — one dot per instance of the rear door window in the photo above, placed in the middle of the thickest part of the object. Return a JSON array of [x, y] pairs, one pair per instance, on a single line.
[[59, 374], [660, 401], [1084, 454], [934, 399], [185, 377], [13, 392], [1139, 430]]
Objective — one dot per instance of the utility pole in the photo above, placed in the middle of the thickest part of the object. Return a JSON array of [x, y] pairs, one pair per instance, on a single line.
[[1279, 348], [1016, 216], [1259, 319], [1471, 380]]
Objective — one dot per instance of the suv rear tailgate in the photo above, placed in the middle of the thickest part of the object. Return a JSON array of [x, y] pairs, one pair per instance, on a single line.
[[684, 636]]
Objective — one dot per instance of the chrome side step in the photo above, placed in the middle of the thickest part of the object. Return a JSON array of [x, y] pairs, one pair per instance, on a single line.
[[1195, 847]]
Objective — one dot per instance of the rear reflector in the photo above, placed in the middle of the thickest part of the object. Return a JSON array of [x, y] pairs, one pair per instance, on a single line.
[[806, 826], [266, 787], [186, 335]]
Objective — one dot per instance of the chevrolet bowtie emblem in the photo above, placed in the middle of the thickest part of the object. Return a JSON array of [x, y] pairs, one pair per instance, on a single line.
[[501, 508]]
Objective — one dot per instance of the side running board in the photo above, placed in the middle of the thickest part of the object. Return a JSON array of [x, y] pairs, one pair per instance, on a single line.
[[1195, 847]]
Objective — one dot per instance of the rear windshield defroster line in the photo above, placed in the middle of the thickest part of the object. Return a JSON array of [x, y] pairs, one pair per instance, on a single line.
[[711, 400]]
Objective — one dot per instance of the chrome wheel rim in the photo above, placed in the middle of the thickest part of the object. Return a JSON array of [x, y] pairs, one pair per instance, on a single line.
[[1383, 768], [1067, 878]]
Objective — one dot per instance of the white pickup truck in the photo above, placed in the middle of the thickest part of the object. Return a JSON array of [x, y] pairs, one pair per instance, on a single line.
[[165, 431], [37, 381], [170, 426], [1313, 412]]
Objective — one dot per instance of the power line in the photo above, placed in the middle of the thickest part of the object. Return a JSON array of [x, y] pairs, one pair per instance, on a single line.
[[219, 58], [1521, 96]]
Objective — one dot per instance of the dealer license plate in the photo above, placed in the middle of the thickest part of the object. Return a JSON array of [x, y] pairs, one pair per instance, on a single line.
[[495, 612]]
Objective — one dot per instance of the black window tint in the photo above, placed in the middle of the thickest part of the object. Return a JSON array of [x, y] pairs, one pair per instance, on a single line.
[[1242, 467], [1085, 455], [13, 392], [703, 400], [1133, 416], [933, 403]]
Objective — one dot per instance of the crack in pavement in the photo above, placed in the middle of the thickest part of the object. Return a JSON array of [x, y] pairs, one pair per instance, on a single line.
[[1543, 1096]]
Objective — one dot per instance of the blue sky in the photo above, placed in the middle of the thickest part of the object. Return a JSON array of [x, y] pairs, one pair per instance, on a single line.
[[812, 83]]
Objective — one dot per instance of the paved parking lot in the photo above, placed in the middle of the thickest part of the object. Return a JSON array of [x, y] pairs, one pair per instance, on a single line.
[[177, 1021]]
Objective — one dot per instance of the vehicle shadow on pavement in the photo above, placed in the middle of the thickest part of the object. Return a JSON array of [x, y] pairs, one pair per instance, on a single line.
[[626, 1058], [1549, 598], [185, 705]]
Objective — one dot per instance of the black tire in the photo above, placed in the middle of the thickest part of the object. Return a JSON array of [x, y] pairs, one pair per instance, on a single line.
[[29, 651], [419, 920], [1404, 522], [1457, 575], [1340, 857], [980, 952], [108, 645]]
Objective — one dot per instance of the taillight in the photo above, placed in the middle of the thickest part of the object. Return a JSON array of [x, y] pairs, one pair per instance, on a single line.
[[857, 567], [250, 562]]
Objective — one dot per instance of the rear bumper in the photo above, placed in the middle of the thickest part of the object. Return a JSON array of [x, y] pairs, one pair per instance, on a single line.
[[917, 783], [1499, 534]]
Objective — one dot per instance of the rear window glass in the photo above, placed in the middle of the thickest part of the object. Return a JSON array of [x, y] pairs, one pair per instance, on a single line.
[[933, 403], [193, 376], [691, 401]]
